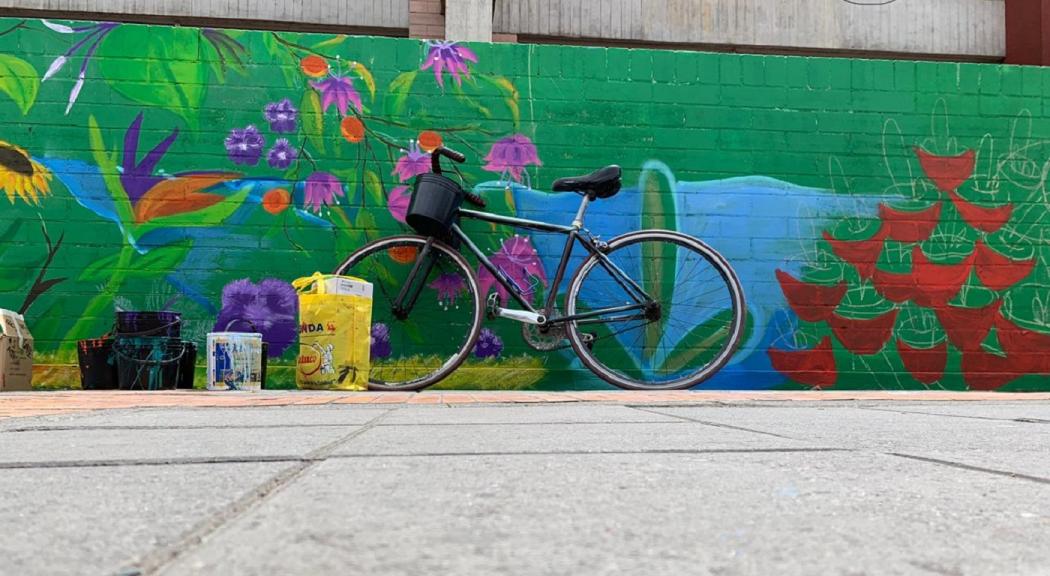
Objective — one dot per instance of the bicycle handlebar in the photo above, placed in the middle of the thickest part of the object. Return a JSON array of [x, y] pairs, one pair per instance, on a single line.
[[459, 158]]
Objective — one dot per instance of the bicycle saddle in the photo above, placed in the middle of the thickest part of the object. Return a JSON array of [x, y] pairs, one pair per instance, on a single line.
[[603, 183]]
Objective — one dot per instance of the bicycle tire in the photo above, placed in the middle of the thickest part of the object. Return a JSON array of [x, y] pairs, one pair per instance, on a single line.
[[454, 362], [716, 260]]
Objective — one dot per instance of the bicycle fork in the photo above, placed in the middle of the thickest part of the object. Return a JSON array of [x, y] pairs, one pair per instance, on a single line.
[[411, 289]]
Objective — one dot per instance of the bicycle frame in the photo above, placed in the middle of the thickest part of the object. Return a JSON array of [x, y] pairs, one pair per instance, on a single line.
[[642, 300]]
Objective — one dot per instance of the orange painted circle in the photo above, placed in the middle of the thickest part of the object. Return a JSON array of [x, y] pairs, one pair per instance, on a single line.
[[403, 254], [353, 129], [429, 140], [314, 66], [276, 201]]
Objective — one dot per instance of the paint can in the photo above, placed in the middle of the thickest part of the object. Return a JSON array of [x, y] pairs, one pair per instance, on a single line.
[[235, 361], [97, 363], [148, 363]]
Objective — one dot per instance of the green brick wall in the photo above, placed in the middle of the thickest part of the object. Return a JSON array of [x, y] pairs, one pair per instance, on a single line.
[[789, 166]]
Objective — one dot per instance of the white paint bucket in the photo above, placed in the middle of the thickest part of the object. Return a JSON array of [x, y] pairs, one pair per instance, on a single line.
[[235, 361]]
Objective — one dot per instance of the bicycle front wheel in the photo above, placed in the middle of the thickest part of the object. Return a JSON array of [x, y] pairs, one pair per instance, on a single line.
[[414, 350], [690, 329]]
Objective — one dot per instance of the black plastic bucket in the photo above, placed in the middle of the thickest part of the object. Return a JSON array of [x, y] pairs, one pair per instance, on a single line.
[[188, 366], [149, 363], [435, 200], [152, 324], [98, 366], [262, 373]]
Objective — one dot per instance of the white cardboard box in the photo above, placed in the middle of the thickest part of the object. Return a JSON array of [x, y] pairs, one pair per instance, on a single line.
[[16, 353]]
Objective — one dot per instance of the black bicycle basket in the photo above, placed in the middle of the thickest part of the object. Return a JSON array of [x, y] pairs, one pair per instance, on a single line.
[[435, 200]]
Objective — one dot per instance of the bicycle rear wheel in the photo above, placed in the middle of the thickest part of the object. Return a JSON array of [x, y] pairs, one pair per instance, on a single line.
[[689, 336], [423, 347]]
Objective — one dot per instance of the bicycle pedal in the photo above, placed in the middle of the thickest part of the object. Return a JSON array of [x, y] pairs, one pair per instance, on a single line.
[[588, 339], [493, 306]]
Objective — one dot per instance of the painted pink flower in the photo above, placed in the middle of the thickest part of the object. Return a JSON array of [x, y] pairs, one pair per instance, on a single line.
[[449, 56], [449, 287], [322, 189], [338, 90], [509, 157], [397, 203], [520, 262], [412, 163]]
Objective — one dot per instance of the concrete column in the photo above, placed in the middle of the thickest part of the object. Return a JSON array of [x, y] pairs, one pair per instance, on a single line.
[[1028, 32], [468, 20]]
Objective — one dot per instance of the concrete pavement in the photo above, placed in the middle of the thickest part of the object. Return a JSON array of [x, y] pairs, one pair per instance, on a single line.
[[636, 486]]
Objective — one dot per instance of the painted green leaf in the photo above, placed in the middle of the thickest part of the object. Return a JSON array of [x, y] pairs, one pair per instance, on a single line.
[[158, 261], [659, 258], [398, 91], [509, 93], [13, 275], [374, 187], [156, 66], [283, 59], [472, 102], [19, 80], [703, 343], [313, 120], [107, 163]]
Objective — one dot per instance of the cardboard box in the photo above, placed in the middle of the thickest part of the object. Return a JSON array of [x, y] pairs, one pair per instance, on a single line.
[[16, 353]]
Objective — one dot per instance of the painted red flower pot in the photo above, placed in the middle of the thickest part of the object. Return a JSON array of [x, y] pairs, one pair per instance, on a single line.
[[997, 271], [1028, 350], [814, 367], [936, 284], [986, 371], [864, 336], [894, 286], [966, 328], [861, 254], [811, 302], [910, 226], [986, 219], [947, 172], [924, 364]]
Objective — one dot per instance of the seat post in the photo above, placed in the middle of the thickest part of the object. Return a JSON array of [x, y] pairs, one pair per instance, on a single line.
[[577, 222]]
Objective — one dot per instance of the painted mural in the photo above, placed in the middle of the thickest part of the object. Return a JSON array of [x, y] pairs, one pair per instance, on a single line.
[[201, 170]]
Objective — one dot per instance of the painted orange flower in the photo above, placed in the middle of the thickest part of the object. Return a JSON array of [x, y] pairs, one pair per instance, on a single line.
[[429, 140], [314, 66], [353, 129], [276, 201], [403, 254]]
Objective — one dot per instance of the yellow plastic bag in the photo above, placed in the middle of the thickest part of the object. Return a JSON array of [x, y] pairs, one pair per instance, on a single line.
[[335, 320]]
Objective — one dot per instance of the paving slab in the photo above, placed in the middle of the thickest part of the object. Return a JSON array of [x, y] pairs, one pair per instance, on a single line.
[[551, 438], [520, 414], [136, 444], [101, 520], [341, 415], [654, 514], [1033, 411]]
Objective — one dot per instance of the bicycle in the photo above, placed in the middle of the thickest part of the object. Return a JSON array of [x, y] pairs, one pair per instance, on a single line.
[[647, 310]]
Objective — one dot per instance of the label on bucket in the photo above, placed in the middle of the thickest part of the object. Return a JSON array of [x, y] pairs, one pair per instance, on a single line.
[[234, 361]]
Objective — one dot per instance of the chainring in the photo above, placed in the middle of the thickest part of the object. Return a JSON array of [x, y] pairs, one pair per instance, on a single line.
[[553, 339]]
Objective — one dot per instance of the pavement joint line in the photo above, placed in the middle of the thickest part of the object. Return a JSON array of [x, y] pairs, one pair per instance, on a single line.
[[683, 451], [177, 427], [716, 424], [972, 468], [160, 558], [967, 416], [149, 462]]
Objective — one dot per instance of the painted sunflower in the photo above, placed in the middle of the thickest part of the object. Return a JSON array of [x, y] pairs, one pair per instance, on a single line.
[[22, 176]]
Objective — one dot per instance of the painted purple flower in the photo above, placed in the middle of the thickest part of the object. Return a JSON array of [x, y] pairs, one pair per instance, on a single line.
[[338, 90], [282, 154], [270, 308], [509, 157], [489, 344], [450, 56], [380, 346], [397, 203], [282, 116], [449, 287], [519, 261], [245, 146], [93, 34], [322, 189], [412, 163]]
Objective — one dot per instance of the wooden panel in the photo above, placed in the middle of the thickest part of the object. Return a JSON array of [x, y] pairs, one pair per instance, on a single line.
[[963, 27]]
